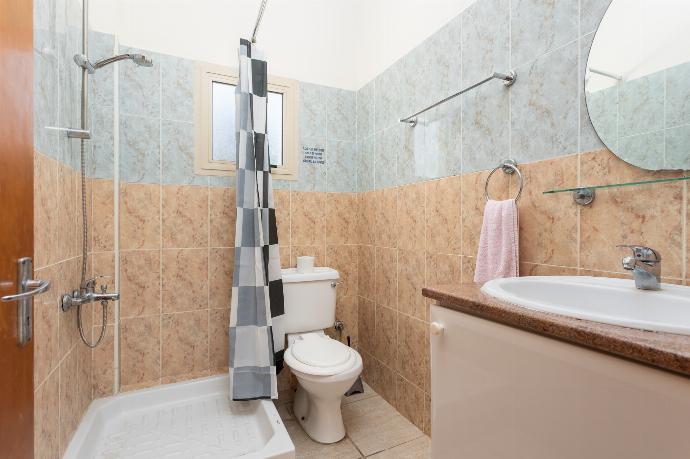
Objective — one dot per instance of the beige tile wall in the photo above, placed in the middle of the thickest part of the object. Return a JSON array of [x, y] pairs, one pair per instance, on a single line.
[[175, 276], [323, 225], [176, 262], [62, 365], [427, 233]]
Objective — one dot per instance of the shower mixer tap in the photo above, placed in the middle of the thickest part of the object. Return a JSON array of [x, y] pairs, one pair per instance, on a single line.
[[87, 294]]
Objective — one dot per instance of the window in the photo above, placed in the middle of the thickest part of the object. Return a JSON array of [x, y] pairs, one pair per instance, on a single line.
[[215, 123]]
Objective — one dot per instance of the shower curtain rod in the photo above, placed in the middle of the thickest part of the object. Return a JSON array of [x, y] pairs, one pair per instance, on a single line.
[[262, 8]]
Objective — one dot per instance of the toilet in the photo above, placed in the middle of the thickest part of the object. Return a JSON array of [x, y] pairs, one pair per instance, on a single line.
[[325, 368]]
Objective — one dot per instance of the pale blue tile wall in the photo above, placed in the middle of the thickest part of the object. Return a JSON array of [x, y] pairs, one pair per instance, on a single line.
[[364, 147], [543, 115], [101, 108], [589, 140], [69, 77], [677, 140], [139, 149], [538, 27], [56, 78], [46, 54], [678, 95], [177, 151], [341, 166], [101, 162], [156, 129], [328, 122], [57, 88], [177, 89], [545, 106]]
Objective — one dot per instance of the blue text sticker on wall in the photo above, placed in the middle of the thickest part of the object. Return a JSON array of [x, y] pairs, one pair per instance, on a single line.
[[313, 155]]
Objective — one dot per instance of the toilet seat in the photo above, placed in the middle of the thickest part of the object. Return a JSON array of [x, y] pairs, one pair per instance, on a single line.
[[320, 351], [319, 355]]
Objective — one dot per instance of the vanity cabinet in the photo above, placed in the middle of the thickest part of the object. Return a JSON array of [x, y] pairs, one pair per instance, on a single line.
[[502, 392]]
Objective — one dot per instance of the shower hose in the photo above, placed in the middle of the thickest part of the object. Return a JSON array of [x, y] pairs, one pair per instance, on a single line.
[[84, 250]]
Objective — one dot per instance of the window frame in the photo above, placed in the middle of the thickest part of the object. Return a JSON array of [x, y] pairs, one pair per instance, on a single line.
[[204, 164]]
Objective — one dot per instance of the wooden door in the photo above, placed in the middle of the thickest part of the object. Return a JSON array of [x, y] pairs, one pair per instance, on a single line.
[[16, 221]]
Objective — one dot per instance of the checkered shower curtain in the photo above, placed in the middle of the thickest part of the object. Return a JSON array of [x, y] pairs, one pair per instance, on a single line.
[[256, 339]]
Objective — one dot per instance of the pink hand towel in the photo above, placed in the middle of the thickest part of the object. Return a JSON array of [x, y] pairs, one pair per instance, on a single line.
[[498, 254]]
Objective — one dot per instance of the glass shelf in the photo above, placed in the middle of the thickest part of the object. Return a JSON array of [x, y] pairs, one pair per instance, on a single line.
[[617, 185], [584, 195]]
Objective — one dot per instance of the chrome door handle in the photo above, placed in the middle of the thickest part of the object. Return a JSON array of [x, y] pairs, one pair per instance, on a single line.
[[25, 298], [32, 287]]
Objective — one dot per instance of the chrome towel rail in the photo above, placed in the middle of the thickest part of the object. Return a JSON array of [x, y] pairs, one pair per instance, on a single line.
[[509, 166], [508, 80]]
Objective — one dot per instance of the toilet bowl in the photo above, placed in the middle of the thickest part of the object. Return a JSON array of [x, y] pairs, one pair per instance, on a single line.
[[325, 369]]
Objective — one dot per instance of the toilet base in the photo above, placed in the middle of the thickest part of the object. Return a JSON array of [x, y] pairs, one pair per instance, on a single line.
[[321, 419]]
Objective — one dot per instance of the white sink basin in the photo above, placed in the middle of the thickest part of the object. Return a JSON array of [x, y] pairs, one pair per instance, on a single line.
[[600, 299]]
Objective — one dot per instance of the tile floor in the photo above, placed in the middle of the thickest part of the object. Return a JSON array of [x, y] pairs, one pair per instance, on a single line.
[[374, 429]]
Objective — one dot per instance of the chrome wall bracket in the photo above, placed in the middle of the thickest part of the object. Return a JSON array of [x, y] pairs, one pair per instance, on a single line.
[[509, 166], [509, 79], [584, 196], [82, 61], [410, 122], [78, 134]]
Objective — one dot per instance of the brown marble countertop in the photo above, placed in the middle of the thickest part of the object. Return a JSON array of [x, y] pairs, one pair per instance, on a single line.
[[668, 351]]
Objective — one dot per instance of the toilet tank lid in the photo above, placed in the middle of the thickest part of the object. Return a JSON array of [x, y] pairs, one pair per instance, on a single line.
[[291, 275]]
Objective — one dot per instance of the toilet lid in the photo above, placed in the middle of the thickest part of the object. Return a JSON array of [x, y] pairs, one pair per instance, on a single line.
[[320, 351]]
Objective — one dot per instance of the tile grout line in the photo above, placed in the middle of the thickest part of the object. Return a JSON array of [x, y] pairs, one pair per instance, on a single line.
[[208, 275], [398, 445], [160, 223], [684, 226], [510, 93], [116, 219], [347, 435], [368, 399], [578, 229]]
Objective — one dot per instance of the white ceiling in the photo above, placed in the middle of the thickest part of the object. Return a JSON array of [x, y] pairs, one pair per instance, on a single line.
[[341, 43]]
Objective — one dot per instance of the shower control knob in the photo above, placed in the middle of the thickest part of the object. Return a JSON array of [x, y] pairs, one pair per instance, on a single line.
[[436, 328]]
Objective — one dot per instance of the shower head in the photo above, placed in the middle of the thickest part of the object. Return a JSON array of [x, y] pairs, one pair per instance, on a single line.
[[141, 60], [84, 62]]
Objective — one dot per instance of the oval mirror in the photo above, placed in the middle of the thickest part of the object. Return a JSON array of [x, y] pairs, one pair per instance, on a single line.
[[637, 82]]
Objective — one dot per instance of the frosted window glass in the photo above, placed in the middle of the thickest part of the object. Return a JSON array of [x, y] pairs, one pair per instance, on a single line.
[[223, 122], [274, 128]]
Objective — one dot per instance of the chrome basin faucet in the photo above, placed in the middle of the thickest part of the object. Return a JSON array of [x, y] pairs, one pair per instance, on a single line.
[[645, 264]]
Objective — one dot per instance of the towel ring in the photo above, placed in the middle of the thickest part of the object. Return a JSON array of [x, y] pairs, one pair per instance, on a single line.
[[509, 166]]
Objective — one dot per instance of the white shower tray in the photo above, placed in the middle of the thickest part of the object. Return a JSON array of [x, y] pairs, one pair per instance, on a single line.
[[193, 419]]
